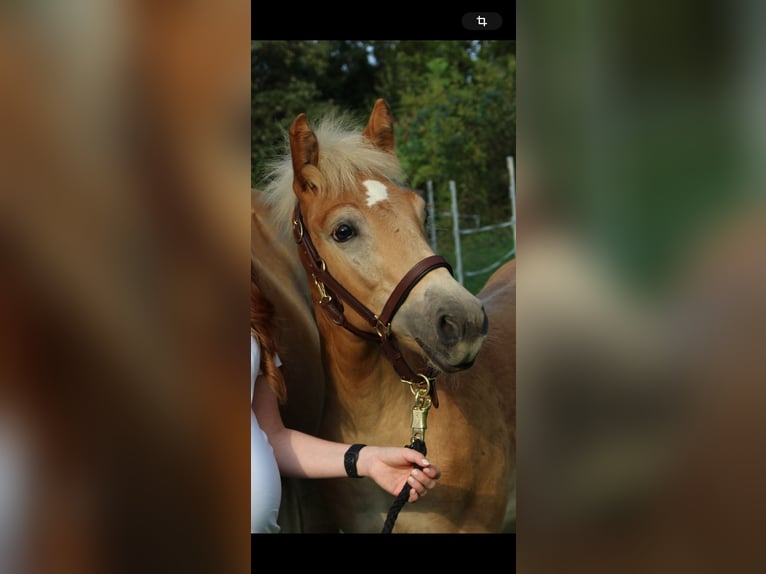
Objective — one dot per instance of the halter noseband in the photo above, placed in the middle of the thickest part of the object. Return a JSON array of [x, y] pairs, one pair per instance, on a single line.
[[333, 294]]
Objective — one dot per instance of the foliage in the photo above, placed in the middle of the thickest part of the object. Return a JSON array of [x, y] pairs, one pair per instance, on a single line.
[[458, 123], [454, 103]]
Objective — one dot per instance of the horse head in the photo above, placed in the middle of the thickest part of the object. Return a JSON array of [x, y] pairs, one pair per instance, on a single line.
[[367, 237]]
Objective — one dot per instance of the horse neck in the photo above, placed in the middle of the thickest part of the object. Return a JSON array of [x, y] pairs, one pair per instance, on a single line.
[[357, 370]]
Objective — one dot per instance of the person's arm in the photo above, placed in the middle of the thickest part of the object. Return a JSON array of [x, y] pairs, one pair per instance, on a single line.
[[304, 456]]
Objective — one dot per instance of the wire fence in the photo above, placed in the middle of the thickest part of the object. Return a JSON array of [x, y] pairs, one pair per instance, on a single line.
[[459, 230]]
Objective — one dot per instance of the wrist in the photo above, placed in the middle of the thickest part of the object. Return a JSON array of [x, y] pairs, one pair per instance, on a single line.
[[351, 459]]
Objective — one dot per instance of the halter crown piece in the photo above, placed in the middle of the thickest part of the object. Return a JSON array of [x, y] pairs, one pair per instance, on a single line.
[[333, 295]]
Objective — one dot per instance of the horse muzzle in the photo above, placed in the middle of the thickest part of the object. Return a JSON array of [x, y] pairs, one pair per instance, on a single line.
[[453, 334]]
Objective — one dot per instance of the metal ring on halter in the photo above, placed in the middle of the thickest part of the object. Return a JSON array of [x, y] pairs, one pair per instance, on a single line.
[[386, 328], [299, 224], [420, 386]]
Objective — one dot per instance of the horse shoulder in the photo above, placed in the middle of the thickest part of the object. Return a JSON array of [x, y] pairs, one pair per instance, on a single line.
[[498, 355], [500, 289], [499, 299]]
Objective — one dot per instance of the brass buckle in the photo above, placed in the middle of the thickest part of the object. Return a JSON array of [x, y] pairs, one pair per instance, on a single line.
[[323, 296], [380, 326]]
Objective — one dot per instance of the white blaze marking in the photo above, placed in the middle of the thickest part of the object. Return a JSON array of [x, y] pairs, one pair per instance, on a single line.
[[376, 191]]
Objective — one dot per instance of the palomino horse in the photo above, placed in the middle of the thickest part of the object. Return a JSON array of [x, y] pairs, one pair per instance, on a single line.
[[361, 239]]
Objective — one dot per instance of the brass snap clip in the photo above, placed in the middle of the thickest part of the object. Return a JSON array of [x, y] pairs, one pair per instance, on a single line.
[[421, 390]]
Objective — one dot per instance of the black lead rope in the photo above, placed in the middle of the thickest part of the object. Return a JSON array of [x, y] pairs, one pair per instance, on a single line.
[[404, 495], [422, 392]]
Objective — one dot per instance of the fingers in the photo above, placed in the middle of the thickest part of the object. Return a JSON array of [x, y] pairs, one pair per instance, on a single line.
[[418, 486], [420, 483], [423, 478], [431, 470], [417, 490]]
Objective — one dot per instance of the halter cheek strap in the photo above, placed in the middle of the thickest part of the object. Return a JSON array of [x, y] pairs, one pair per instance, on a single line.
[[333, 295]]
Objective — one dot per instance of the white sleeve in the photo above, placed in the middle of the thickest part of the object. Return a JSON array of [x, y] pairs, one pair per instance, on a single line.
[[255, 364]]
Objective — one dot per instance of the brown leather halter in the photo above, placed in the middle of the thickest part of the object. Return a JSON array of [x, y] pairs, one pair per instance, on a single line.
[[333, 294]]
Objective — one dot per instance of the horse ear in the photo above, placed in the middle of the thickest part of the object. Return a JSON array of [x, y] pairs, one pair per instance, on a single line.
[[380, 127], [304, 150]]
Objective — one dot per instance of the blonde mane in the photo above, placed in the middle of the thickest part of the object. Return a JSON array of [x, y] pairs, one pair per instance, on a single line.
[[344, 155]]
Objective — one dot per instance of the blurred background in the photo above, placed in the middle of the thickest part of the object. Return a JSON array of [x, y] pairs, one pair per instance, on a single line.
[[642, 286], [124, 240]]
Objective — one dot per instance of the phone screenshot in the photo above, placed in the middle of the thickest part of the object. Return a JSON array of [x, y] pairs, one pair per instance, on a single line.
[[383, 268]]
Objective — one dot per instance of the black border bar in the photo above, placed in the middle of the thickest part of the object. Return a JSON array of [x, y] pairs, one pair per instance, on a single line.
[[376, 21]]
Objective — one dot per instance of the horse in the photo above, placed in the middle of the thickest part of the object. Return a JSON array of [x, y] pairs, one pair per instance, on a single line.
[[282, 280], [435, 364]]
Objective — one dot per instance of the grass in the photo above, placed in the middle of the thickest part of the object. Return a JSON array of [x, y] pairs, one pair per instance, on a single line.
[[479, 250]]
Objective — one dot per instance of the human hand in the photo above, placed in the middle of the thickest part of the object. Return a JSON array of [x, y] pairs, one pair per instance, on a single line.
[[393, 467]]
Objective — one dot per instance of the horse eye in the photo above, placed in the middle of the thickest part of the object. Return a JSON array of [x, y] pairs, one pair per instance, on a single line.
[[343, 233]]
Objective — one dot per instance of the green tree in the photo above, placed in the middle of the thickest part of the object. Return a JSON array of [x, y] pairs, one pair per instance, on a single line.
[[312, 77], [454, 102], [457, 119], [283, 83]]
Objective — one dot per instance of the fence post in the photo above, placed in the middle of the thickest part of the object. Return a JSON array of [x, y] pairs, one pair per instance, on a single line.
[[456, 232], [431, 214], [512, 192]]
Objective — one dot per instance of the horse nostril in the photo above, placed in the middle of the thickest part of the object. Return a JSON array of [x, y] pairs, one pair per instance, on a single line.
[[485, 324], [448, 329]]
